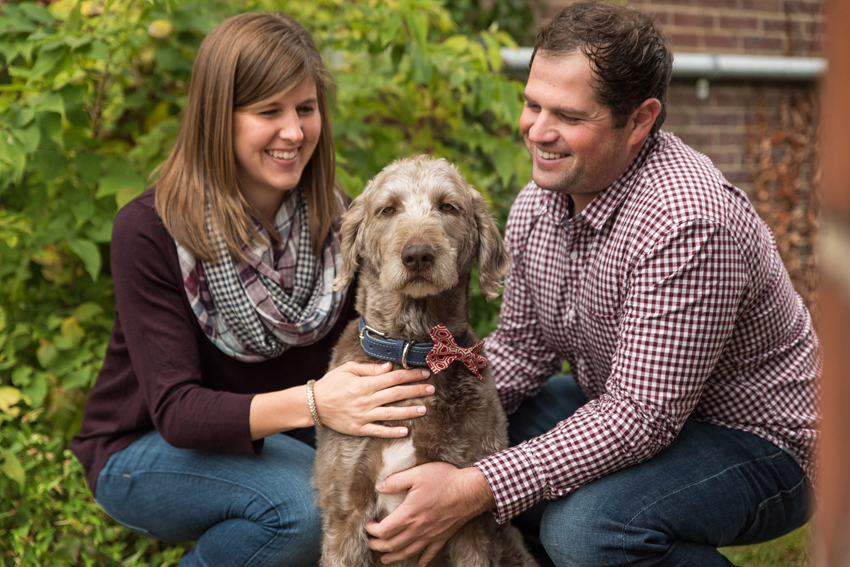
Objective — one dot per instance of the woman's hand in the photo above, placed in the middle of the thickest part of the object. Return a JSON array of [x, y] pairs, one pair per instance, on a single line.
[[351, 398]]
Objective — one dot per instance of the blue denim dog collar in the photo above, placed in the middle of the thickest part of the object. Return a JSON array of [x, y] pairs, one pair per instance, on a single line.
[[399, 351]]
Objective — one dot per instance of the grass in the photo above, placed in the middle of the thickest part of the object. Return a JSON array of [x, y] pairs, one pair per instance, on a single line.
[[791, 550]]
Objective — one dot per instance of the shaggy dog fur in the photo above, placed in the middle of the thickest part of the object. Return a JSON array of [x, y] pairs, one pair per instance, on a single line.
[[413, 236]]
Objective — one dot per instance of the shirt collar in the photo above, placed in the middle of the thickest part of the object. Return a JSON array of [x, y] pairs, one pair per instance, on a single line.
[[610, 199]]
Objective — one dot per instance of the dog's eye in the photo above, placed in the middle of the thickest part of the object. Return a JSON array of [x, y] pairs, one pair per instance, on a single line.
[[447, 207], [388, 211]]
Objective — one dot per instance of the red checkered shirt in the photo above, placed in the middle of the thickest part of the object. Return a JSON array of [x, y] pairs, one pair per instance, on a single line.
[[667, 297]]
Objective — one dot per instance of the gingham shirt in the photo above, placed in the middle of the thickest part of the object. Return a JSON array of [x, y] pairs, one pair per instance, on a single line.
[[668, 299]]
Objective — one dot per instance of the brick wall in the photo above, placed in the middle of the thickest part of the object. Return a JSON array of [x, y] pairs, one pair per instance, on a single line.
[[755, 27]]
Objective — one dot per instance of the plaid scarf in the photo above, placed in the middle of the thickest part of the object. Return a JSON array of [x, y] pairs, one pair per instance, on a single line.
[[281, 297]]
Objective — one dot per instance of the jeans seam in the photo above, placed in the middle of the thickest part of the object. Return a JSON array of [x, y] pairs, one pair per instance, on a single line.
[[656, 501], [783, 495], [207, 477]]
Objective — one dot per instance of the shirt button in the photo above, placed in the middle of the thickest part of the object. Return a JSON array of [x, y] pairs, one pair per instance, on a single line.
[[571, 314], [573, 255], [580, 362]]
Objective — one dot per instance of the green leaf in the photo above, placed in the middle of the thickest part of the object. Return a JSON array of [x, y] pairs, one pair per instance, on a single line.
[[126, 195], [46, 354], [74, 42], [12, 468], [119, 179], [37, 13], [81, 378], [89, 253], [2, 318], [418, 26], [29, 136], [51, 163], [168, 57], [51, 127], [50, 102], [72, 331], [86, 312], [21, 376], [21, 117], [83, 211], [485, 93], [96, 50], [16, 24], [88, 166], [14, 154], [37, 390], [504, 160], [45, 63], [75, 18], [389, 30], [99, 231], [421, 69]]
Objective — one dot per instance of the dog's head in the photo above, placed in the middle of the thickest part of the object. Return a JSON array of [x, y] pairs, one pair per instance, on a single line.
[[418, 225]]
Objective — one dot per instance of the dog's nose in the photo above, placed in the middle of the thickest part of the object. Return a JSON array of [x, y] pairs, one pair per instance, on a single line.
[[417, 257]]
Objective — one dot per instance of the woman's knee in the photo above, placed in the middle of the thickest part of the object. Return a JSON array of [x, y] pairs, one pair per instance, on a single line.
[[289, 529]]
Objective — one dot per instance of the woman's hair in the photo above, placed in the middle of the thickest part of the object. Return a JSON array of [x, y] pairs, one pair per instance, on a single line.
[[244, 60], [629, 55]]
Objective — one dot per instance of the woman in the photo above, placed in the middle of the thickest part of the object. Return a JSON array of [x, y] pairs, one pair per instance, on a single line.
[[225, 308]]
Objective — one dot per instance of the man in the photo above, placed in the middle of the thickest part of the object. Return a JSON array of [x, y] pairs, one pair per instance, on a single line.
[[688, 423]]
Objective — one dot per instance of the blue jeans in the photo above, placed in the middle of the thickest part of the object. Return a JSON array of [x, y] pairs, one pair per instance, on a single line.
[[712, 487], [242, 510]]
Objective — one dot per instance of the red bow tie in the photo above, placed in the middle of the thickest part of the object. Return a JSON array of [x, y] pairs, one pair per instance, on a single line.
[[446, 350]]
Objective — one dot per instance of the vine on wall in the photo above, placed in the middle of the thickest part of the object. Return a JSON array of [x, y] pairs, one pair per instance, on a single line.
[[784, 155]]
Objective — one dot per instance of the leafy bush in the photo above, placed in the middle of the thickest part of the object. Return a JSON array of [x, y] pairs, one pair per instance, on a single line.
[[517, 17], [90, 96]]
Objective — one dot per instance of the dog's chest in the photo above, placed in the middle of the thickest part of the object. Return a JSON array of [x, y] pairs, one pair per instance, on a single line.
[[397, 456]]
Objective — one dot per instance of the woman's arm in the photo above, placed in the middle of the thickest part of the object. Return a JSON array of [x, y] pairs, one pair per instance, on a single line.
[[349, 399]]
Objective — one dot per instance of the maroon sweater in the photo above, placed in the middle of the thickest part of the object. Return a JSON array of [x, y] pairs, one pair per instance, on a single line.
[[161, 372]]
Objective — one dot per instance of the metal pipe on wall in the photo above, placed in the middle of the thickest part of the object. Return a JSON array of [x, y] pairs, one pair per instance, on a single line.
[[712, 66]]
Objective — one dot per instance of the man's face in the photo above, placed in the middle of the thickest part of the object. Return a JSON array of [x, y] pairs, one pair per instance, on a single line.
[[574, 146]]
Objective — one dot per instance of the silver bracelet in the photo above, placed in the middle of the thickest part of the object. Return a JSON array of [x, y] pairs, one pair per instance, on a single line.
[[312, 401]]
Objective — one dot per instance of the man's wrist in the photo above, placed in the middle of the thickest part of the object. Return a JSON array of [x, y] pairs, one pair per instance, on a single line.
[[480, 491]]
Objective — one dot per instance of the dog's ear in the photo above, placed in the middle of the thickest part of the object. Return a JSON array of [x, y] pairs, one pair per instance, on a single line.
[[493, 259], [351, 223]]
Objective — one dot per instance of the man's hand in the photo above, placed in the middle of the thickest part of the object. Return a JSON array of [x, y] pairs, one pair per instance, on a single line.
[[440, 500]]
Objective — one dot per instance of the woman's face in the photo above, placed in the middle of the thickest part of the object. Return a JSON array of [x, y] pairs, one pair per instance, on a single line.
[[272, 142]]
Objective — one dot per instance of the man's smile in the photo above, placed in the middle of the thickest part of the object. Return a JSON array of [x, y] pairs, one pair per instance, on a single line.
[[549, 155]]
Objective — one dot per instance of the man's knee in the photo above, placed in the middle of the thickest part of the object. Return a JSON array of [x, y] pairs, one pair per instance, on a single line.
[[580, 530]]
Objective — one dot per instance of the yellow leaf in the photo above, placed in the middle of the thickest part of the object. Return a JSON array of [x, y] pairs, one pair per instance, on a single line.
[[72, 331], [10, 396], [160, 29]]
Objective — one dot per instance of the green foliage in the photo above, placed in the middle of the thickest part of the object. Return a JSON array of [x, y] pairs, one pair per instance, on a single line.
[[517, 17], [52, 519], [90, 97], [791, 550]]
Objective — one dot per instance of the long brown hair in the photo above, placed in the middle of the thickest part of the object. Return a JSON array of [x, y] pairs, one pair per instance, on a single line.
[[244, 60], [629, 54]]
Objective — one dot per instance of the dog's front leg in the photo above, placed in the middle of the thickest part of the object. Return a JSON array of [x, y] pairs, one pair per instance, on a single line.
[[471, 546], [345, 542]]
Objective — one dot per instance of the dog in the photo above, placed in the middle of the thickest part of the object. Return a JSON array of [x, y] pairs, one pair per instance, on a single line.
[[412, 237]]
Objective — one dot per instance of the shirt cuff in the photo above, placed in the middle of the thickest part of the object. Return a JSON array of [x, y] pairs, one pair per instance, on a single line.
[[514, 481]]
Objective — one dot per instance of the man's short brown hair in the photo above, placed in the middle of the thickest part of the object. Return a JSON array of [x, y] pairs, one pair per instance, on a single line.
[[628, 54]]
